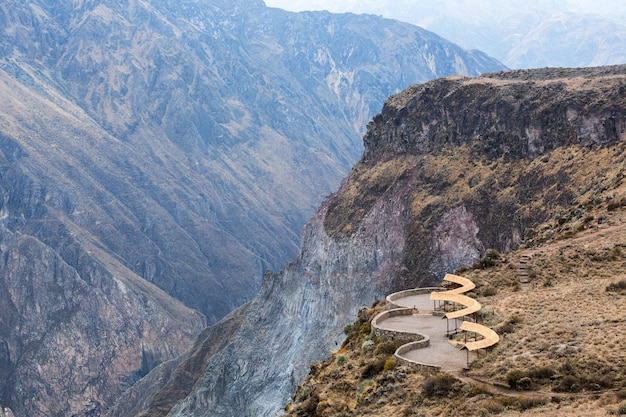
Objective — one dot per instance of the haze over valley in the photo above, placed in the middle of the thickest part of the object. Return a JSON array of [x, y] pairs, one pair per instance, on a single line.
[[521, 34]]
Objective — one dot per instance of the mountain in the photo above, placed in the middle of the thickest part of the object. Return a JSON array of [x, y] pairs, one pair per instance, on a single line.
[[520, 34], [156, 158], [232, 120], [451, 168]]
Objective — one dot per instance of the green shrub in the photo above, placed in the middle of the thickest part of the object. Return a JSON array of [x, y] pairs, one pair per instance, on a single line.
[[513, 378], [388, 347], [366, 386], [341, 359], [390, 365], [367, 345], [366, 328], [303, 394]]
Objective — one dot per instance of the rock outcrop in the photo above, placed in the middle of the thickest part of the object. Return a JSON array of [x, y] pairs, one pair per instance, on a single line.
[[6, 412], [451, 167], [83, 342]]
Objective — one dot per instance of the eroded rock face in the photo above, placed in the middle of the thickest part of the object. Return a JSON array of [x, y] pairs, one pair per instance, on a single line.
[[69, 349], [416, 206], [514, 114], [6, 412], [455, 240], [299, 315]]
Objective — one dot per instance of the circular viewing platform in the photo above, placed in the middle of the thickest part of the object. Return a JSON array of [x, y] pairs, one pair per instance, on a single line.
[[414, 317]]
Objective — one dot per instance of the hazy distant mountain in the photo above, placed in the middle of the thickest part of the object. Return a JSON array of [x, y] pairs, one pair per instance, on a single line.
[[157, 157], [521, 34]]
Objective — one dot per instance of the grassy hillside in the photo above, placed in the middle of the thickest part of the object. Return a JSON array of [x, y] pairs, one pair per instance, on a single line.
[[561, 349]]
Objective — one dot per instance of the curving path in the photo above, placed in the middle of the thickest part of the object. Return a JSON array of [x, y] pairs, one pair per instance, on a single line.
[[438, 354], [429, 347]]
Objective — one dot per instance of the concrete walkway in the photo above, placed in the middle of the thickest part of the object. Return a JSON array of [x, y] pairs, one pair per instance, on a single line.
[[420, 302], [440, 351]]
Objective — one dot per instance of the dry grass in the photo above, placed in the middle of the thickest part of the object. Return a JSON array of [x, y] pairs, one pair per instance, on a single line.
[[562, 338], [565, 335]]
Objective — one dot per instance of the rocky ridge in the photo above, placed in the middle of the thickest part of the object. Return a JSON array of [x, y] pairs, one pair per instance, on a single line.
[[6, 412], [451, 167]]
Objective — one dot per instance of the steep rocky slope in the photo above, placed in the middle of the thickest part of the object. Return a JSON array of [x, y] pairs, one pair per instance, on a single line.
[[237, 120], [451, 167], [155, 159]]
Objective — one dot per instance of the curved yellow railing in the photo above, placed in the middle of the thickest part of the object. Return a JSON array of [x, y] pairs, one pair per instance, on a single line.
[[490, 337], [465, 284], [471, 306]]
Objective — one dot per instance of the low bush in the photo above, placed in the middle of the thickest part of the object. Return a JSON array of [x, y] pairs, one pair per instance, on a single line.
[[617, 286], [526, 403], [569, 383], [492, 406], [489, 292], [390, 365], [372, 369], [615, 204], [525, 379], [513, 378], [364, 388], [515, 319], [388, 347], [439, 385], [541, 372]]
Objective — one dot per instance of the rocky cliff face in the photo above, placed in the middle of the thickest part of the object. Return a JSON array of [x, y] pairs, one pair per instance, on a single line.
[[157, 157], [451, 167]]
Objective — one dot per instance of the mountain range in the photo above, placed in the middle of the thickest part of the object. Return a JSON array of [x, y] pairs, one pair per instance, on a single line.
[[569, 33], [156, 158]]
